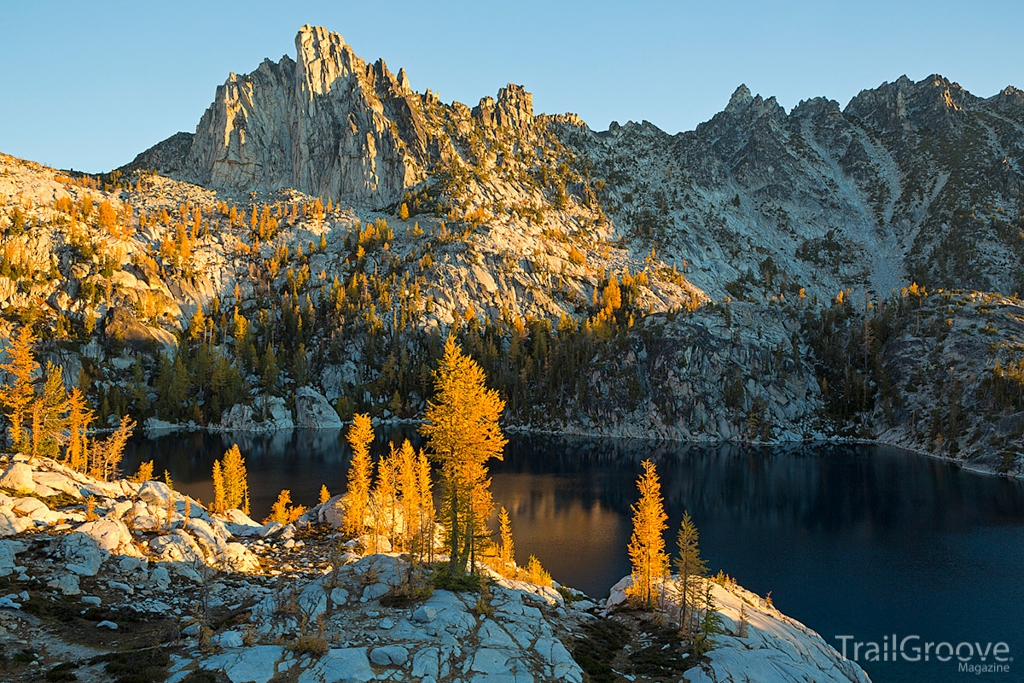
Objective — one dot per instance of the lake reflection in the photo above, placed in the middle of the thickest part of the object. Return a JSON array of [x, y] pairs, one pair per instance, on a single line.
[[850, 539]]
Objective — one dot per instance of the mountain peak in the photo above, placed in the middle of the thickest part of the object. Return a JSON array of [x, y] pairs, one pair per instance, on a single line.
[[741, 98], [322, 57]]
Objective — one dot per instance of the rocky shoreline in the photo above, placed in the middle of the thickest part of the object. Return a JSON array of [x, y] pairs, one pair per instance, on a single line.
[[145, 581]]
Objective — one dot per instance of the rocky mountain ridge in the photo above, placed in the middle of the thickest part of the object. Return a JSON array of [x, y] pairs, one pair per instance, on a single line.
[[909, 182], [769, 276]]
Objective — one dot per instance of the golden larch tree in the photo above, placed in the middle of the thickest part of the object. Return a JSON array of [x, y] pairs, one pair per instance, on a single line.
[[647, 545], [236, 480], [105, 456], [19, 391], [507, 553], [360, 472], [407, 483], [383, 500], [218, 489], [425, 533], [80, 417], [462, 432], [52, 407]]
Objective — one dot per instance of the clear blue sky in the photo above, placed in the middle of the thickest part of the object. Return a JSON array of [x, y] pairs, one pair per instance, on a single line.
[[87, 85]]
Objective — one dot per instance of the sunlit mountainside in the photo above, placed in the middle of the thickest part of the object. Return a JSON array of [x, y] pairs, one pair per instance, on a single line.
[[769, 276]]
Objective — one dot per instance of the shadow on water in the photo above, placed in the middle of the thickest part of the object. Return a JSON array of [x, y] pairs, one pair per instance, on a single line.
[[850, 539]]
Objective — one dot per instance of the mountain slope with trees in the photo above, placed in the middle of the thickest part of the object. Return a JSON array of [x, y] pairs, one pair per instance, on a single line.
[[770, 276]]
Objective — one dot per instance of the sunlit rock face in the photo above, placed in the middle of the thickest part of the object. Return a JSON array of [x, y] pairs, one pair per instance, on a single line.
[[326, 123]]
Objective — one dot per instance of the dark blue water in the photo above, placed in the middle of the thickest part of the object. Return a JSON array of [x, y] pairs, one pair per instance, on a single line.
[[859, 540]]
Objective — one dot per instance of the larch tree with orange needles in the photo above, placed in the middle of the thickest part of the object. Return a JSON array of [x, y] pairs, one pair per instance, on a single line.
[[647, 544], [360, 472], [17, 394], [462, 432]]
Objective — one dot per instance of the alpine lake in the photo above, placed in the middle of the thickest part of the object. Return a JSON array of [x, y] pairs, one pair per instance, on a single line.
[[864, 541]]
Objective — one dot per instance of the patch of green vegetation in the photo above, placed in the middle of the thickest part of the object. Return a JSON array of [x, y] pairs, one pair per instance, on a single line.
[[62, 672], [200, 676], [407, 594], [662, 657], [136, 666], [596, 651], [459, 582]]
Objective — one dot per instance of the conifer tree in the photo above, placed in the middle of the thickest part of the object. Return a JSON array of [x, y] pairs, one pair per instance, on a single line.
[[19, 392], [105, 455], [507, 553], [80, 416], [426, 497], [360, 471], [408, 490], [689, 568], [462, 432], [52, 406], [383, 499], [144, 473], [235, 477], [710, 623], [218, 488], [647, 545], [325, 495], [283, 511]]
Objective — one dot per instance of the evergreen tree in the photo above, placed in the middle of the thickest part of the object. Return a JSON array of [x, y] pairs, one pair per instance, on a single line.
[[462, 432], [710, 623], [647, 545], [690, 568]]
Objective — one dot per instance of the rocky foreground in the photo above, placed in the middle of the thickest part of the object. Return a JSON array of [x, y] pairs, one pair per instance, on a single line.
[[135, 581]]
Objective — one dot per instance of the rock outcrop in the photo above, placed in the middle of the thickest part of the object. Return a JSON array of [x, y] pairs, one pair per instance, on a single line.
[[314, 411], [757, 643], [326, 123]]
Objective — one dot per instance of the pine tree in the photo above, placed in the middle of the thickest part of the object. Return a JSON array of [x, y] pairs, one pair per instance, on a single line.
[[325, 495], [690, 568], [647, 545], [462, 432], [359, 435], [710, 623]]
